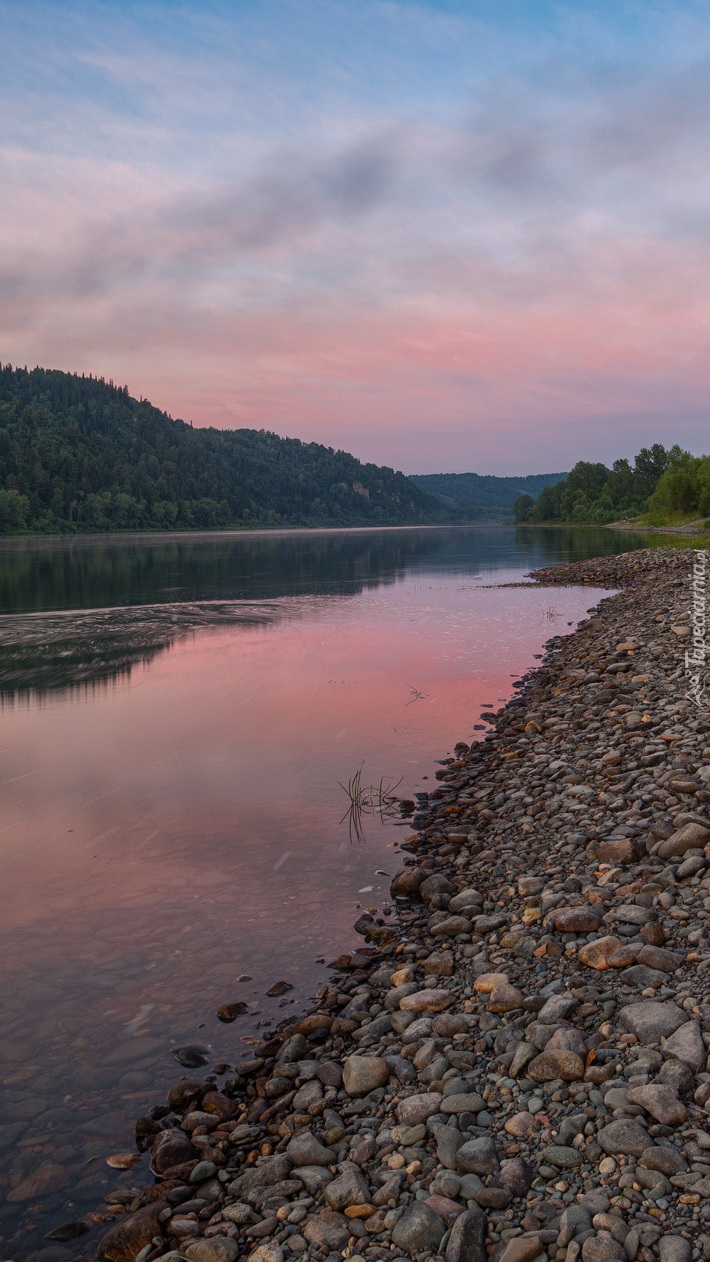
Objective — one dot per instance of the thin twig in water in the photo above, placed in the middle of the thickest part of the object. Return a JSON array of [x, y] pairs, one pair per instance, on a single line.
[[368, 800], [415, 694]]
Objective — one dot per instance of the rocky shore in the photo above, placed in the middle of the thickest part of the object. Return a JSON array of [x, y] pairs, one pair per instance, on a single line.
[[515, 1064]]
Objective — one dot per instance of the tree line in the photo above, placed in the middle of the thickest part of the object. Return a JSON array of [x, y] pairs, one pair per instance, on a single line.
[[659, 483], [80, 454]]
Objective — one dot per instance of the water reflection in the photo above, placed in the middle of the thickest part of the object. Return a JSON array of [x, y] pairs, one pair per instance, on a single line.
[[135, 596], [168, 835], [41, 654], [101, 571]]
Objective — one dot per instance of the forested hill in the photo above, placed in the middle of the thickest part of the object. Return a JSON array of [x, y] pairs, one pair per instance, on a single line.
[[490, 496], [78, 453]]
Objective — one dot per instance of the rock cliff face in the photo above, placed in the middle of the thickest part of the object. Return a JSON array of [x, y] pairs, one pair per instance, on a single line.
[[517, 1066]]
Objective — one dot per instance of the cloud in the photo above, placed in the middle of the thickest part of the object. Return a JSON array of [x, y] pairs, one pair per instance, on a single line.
[[531, 244]]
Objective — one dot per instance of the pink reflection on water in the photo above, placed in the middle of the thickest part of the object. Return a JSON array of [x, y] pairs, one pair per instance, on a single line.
[[166, 835]]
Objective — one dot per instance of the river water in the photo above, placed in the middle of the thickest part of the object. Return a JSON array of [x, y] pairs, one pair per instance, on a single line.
[[179, 714]]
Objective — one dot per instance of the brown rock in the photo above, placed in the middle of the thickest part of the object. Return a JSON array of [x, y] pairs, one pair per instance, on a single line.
[[578, 919], [435, 884], [451, 927], [689, 837], [522, 1249], [520, 1124], [125, 1239], [214, 1249], [626, 850], [417, 1108], [220, 1105], [493, 1197], [624, 956], [427, 1001], [171, 1148], [41, 1182], [310, 1025], [505, 998], [447, 1024], [660, 958], [556, 1064], [653, 933], [486, 983], [447, 1209], [406, 884], [184, 1092], [596, 954], [230, 1011], [362, 1074], [329, 1231]]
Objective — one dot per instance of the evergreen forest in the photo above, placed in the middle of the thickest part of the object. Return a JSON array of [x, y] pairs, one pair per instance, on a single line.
[[485, 497], [80, 454]]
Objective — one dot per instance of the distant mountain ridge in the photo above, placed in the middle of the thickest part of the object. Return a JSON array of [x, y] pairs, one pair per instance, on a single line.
[[80, 454], [490, 496]]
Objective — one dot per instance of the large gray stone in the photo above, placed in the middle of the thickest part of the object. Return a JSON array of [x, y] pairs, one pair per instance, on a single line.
[[463, 1103], [557, 1063], [349, 1188], [313, 1178], [478, 1156], [516, 1175], [272, 1170], [216, 1249], [668, 1160], [417, 1108], [689, 837], [448, 1141], [329, 1231], [687, 1045], [557, 1008], [651, 1021], [575, 1220], [660, 1101], [602, 1248], [305, 1149], [674, 1249], [467, 1241], [419, 1229], [624, 1136]]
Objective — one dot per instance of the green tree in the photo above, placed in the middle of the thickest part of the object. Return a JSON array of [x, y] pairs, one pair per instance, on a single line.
[[523, 507], [14, 510]]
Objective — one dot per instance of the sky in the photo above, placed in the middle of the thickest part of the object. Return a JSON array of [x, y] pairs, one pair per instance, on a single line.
[[448, 235]]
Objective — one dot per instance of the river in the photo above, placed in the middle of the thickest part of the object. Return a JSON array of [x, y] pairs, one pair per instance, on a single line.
[[179, 715]]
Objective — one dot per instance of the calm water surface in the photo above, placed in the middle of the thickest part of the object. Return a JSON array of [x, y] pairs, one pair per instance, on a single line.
[[177, 715]]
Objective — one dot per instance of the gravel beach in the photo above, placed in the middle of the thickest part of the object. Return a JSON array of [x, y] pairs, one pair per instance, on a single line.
[[515, 1064]]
